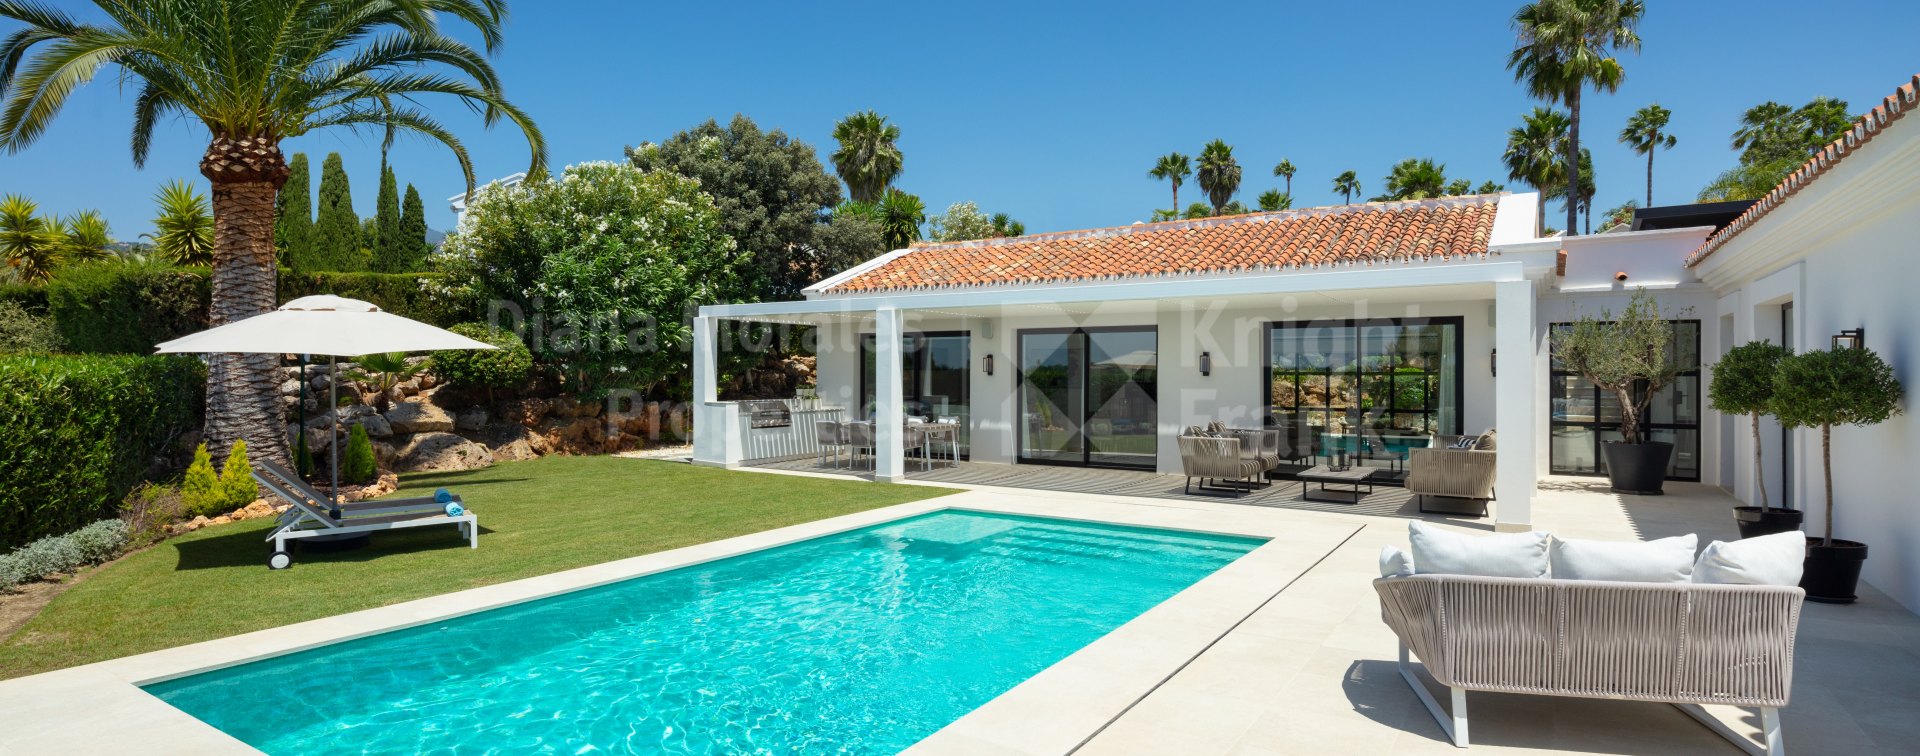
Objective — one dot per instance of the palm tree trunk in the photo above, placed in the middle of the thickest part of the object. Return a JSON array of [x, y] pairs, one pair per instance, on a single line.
[[243, 398], [1176, 201], [1540, 215], [1759, 472], [1650, 177], [1573, 161]]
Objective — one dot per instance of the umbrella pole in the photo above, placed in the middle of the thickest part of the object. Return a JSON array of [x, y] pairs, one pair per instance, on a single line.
[[333, 406]]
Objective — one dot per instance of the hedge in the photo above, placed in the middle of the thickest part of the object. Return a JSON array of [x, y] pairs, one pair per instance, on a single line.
[[77, 432], [407, 294]]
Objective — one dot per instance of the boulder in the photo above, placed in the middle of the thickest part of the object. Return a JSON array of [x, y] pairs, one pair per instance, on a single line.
[[291, 388], [419, 417], [376, 425], [471, 419], [436, 451], [528, 412], [510, 441]]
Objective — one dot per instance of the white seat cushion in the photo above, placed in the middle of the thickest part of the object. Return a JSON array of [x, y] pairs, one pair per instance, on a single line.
[[1767, 560], [1394, 563], [1665, 560], [1439, 551]]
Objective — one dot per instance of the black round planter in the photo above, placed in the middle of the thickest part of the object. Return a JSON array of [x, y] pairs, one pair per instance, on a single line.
[[1833, 572], [1755, 522], [1638, 468]]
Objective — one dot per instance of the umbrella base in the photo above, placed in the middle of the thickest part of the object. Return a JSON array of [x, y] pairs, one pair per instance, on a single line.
[[331, 543]]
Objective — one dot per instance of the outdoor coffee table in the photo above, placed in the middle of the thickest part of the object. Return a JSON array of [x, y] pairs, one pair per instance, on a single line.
[[1353, 478]]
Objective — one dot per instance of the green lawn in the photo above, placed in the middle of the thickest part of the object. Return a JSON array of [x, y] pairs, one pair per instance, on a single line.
[[536, 517]]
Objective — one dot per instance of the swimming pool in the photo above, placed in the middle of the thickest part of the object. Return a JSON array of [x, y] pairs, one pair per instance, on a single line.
[[859, 642]]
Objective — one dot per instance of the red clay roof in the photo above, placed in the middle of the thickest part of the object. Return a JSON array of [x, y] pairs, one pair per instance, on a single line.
[[1869, 124], [1374, 233]]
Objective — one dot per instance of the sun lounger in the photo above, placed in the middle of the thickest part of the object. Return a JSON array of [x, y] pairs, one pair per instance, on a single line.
[[312, 516]]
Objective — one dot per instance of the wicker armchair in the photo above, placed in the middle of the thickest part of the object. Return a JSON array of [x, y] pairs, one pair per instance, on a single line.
[[1452, 473], [1218, 458], [1680, 643]]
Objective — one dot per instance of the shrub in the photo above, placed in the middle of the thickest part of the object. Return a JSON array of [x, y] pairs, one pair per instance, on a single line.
[[201, 487], [127, 307], [148, 512], [502, 368], [21, 330], [77, 432], [1825, 388], [356, 462], [55, 555], [415, 295], [1743, 385], [237, 488]]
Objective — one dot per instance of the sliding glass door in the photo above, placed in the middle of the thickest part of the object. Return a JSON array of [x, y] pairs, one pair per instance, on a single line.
[[1586, 416], [1089, 396], [936, 378], [1371, 388]]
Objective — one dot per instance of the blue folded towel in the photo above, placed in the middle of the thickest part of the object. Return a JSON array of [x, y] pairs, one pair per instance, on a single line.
[[442, 495], [455, 510]]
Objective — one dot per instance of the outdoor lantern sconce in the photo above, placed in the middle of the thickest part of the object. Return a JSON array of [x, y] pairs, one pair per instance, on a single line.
[[1493, 362], [1853, 338], [987, 364], [1206, 363]]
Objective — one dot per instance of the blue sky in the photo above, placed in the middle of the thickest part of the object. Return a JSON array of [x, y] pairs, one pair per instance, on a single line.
[[1052, 112]]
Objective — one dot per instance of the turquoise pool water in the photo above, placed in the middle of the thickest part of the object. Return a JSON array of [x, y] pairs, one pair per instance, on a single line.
[[862, 642]]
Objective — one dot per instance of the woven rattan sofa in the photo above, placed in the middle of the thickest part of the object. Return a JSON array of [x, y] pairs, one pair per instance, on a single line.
[[1451, 473], [1685, 644], [1219, 459]]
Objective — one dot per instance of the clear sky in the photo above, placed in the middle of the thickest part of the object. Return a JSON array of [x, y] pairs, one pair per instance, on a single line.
[[1054, 113]]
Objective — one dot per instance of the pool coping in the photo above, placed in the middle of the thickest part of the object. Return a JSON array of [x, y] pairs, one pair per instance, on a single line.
[[100, 706]]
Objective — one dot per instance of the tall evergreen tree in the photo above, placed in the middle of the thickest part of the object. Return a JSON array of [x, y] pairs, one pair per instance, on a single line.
[[391, 252], [336, 231], [413, 231], [293, 214]]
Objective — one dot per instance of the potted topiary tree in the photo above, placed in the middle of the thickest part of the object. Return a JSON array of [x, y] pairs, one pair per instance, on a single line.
[[1822, 389], [1743, 384], [1632, 356]]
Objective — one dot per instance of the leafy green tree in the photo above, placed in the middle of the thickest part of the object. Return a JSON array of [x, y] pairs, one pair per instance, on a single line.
[[1646, 131], [1347, 184], [1620, 215], [1629, 355], [869, 158], [1823, 388], [1415, 178], [613, 299], [293, 213], [1273, 200], [1285, 170], [254, 74], [337, 234], [392, 251], [1174, 169], [1005, 226], [1219, 174], [504, 368], [1768, 133], [413, 232], [1536, 154], [1823, 120], [1566, 46], [87, 237], [184, 229], [772, 193], [1743, 385], [844, 241], [963, 221], [31, 243], [1753, 181]]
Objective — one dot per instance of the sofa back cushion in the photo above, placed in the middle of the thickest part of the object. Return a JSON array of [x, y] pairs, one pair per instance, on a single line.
[[1664, 560], [1440, 551], [1394, 563], [1767, 560]]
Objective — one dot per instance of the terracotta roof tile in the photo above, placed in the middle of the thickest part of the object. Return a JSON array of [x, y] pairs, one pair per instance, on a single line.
[[1369, 234], [1869, 124]]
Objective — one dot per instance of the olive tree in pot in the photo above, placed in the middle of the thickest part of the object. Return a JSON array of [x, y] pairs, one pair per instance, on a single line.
[[1743, 384], [1822, 389], [1632, 356]]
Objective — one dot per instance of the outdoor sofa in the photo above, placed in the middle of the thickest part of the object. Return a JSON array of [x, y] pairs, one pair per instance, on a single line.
[[1448, 471]]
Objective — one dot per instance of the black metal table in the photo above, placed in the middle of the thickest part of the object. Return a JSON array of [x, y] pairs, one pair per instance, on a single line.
[[1353, 478]]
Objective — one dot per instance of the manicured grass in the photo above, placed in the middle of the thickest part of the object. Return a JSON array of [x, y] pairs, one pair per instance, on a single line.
[[536, 517]]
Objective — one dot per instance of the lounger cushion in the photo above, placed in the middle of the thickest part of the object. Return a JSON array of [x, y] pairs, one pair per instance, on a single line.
[[1664, 560], [1767, 560], [1440, 551], [1395, 563]]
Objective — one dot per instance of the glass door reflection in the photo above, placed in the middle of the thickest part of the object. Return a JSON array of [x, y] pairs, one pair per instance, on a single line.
[[1089, 397]]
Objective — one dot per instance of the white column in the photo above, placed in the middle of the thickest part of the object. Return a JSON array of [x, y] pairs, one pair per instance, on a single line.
[[716, 426], [706, 335], [889, 416], [1516, 390]]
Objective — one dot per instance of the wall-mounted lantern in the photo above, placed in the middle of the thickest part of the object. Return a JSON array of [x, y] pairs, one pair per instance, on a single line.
[[1206, 363], [1493, 362], [987, 364], [1852, 338]]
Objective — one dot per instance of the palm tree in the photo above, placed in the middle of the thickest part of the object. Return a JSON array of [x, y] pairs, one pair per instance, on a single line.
[[1536, 155], [1005, 226], [1587, 188], [1646, 131], [1822, 120], [901, 215], [1488, 187], [32, 244], [1274, 200], [1174, 168], [87, 236], [1285, 170], [868, 158], [1620, 215], [254, 76], [184, 229], [1347, 184], [1459, 187], [1415, 178], [1219, 174], [1566, 46]]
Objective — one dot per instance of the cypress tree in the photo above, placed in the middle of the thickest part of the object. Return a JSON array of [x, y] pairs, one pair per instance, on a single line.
[[389, 247], [336, 234], [413, 231], [293, 215]]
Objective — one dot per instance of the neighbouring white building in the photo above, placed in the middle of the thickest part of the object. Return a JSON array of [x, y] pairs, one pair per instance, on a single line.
[[1378, 324]]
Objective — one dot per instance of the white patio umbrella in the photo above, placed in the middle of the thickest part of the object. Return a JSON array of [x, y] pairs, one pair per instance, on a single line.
[[329, 325]]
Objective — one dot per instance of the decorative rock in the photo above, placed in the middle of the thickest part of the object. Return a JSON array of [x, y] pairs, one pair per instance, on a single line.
[[471, 419], [386, 483], [221, 520], [291, 388], [529, 412], [435, 451], [419, 417], [376, 425]]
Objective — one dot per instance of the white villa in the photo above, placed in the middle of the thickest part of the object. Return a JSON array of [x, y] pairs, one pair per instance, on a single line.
[[1096, 348]]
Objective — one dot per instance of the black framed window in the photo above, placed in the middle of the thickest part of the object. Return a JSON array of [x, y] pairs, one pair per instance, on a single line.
[[1374, 385], [1089, 396], [1585, 416], [936, 378]]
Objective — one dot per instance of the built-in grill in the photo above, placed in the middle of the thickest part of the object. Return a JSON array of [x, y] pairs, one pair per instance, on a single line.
[[767, 413]]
